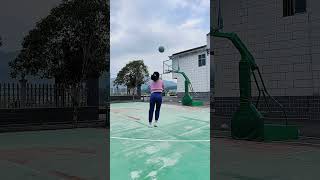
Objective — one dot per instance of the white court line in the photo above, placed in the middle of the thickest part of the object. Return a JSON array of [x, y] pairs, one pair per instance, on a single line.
[[162, 140], [197, 129]]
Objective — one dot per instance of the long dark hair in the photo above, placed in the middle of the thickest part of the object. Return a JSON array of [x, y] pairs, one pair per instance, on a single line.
[[155, 76]]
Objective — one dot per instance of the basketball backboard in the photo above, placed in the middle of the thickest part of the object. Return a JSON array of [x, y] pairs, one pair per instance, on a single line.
[[168, 66]]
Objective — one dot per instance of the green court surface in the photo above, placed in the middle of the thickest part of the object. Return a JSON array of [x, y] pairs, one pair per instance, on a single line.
[[74, 154], [179, 148]]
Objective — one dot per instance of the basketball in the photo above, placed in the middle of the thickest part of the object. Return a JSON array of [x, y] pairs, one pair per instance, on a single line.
[[161, 49]]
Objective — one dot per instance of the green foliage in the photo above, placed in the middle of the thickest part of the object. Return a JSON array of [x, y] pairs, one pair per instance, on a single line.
[[132, 75], [70, 44]]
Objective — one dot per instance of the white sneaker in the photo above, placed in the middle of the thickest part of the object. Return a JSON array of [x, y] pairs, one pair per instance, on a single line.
[[156, 124], [150, 125]]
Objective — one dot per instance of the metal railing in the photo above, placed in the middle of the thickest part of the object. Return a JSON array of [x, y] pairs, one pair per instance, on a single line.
[[28, 95]]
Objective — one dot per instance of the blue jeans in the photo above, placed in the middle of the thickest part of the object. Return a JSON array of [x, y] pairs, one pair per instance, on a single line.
[[155, 100]]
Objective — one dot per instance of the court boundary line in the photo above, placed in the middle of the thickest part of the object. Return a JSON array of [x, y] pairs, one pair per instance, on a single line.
[[161, 140], [193, 130]]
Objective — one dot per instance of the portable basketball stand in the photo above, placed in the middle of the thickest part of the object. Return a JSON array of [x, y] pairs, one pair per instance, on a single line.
[[248, 122], [187, 99]]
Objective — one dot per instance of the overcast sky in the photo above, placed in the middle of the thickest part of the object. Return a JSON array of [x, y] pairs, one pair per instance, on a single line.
[[139, 27], [17, 17]]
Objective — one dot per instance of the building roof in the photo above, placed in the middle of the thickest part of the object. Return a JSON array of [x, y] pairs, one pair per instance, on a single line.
[[189, 50]]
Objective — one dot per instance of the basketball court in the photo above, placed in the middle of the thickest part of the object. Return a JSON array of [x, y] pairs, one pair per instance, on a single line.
[[179, 148]]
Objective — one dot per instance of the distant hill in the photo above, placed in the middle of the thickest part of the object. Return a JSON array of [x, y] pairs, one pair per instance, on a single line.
[[170, 84], [112, 84], [167, 84]]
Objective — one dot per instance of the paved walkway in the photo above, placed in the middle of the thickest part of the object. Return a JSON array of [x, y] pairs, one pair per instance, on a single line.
[[76, 154], [244, 160]]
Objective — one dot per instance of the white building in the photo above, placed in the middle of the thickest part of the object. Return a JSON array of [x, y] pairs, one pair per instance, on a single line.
[[195, 63]]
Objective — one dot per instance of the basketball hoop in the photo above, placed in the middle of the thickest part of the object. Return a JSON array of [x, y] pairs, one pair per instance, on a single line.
[[169, 67]]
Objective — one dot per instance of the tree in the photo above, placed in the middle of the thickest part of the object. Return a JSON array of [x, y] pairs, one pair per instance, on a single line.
[[70, 45], [132, 75]]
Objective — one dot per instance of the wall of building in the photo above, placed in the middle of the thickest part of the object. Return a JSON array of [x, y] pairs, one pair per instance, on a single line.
[[286, 49], [199, 76]]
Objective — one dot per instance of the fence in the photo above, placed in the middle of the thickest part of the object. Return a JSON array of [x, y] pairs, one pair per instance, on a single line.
[[28, 95], [118, 92]]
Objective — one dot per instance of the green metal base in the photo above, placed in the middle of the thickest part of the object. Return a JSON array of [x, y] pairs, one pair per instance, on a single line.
[[279, 132], [247, 123], [187, 100], [193, 103], [197, 103]]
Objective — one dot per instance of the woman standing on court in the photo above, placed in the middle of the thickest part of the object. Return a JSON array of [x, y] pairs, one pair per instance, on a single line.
[[156, 88]]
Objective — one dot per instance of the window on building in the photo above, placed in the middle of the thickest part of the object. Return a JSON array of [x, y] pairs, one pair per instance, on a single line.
[[290, 7], [202, 60], [300, 6]]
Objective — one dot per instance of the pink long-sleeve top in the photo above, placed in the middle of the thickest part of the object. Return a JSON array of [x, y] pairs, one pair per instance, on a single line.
[[156, 86]]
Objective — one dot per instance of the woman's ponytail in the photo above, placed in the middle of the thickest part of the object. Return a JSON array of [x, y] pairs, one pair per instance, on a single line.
[[155, 76]]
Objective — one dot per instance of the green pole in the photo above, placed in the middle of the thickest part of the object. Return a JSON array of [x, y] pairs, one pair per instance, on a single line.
[[186, 99], [247, 121]]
